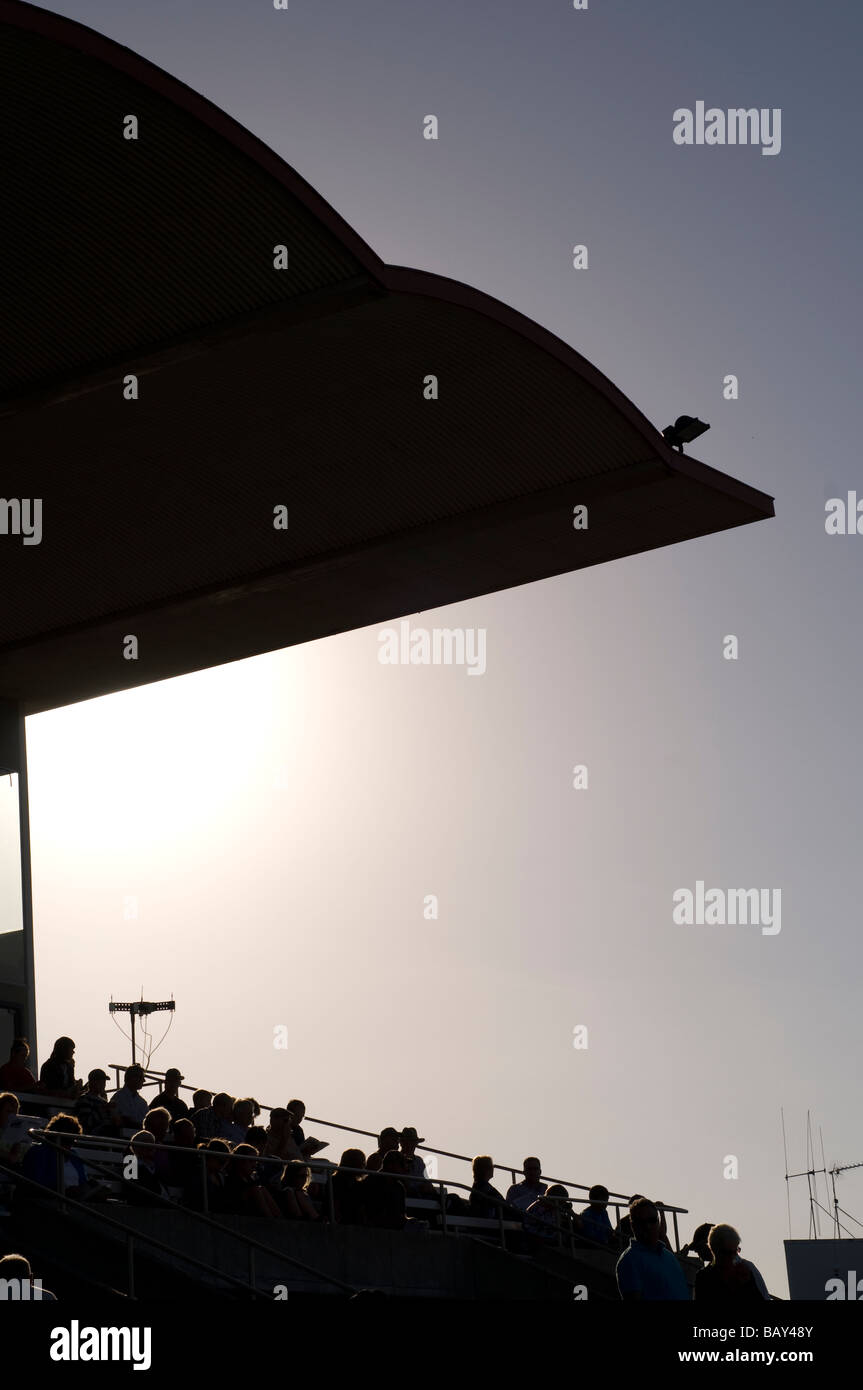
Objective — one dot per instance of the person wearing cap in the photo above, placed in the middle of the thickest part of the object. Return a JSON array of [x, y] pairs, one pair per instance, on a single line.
[[388, 1140], [169, 1099], [92, 1109], [419, 1186]]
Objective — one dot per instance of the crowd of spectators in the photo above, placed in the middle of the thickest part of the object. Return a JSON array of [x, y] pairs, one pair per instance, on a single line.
[[213, 1156]]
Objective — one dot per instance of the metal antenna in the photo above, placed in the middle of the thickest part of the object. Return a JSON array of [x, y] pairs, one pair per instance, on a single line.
[[139, 1009]]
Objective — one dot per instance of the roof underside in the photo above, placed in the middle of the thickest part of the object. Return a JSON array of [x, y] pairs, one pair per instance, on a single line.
[[259, 388]]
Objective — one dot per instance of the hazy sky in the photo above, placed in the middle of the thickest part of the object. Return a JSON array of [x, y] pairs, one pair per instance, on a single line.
[[280, 821]]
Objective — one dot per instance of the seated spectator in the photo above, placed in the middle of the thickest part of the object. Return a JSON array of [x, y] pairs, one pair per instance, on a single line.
[[93, 1109], [647, 1270], [348, 1189], [384, 1196], [218, 1153], [524, 1194], [698, 1245], [10, 1154], [201, 1100], [127, 1102], [280, 1142], [182, 1164], [145, 1188], [242, 1119], [158, 1123], [550, 1215], [594, 1222], [45, 1160], [57, 1077], [308, 1147], [15, 1075], [418, 1184], [728, 1278], [169, 1098], [388, 1141], [257, 1137], [485, 1200], [245, 1194], [293, 1198], [17, 1267], [214, 1121]]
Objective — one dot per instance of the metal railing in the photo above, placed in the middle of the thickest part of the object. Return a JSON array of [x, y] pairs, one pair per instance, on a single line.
[[619, 1201], [61, 1146]]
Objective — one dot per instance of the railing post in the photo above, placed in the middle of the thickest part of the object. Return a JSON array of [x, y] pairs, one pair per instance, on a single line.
[[676, 1233], [443, 1209]]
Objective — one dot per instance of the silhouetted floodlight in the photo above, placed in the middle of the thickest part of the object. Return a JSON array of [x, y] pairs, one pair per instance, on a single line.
[[683, 431]]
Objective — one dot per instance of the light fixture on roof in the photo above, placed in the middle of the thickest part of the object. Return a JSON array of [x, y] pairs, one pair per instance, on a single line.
[[683, 431]]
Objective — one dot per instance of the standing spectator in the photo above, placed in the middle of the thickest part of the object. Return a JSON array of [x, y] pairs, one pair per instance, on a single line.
[[348, 1189], [57, 1077], [127, 1103], [647, 1271], [169, 1098], [93, 1110], [728, 1278], [623, 1230], [594, 1221], [18, 1267], [388, 1140], [485, 1200], [15, 1075], [524, 1194]]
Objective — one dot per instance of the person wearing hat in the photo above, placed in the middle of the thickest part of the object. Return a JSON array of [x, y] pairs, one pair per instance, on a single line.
[[169, 1099], [419, 1186], [388, 1140], [92, 1110]]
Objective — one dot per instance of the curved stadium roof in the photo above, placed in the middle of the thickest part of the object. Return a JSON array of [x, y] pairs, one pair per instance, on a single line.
[[260, 387]]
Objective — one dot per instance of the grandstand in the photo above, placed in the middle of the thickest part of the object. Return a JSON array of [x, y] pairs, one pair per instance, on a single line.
[[165, 389]]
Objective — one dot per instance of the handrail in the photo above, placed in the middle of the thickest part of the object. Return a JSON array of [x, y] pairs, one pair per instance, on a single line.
[[250, 1241], [616, 1199]]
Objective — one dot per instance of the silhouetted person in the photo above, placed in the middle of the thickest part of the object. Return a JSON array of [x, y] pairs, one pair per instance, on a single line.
[[485, 1200], [93, 1109], [523, 1194], [348, 1189], [294, 1200], [214, 1121], [57, 1077], [417, 1182], [245, 1194], [146, 1187], [550, 1215], [17, 1267], [43, 1160], [169, 1098], [383, 1196], [728, 1279], [15, 1075], [182, 1164], [388, 1141], [10, 1154], [698, 1245], [127, 1102], [217, 1155], [647, 1271], [594, 1221]]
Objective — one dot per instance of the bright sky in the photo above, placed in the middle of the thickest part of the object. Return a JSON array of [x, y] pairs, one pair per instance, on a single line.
[[276, 825]]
